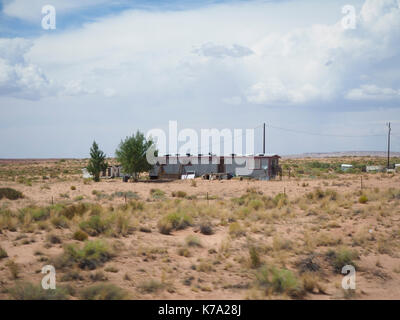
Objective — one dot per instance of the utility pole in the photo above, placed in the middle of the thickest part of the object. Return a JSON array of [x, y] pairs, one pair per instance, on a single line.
[[264, 140], [388, 155]]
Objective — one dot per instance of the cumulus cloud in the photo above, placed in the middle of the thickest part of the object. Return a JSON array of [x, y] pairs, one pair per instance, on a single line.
[[221, 51], [257, 62], [18, 77], [372, 92], [21, 78]]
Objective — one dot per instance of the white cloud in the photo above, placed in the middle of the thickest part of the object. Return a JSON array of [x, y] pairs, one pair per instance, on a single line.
[[221, 51], [19, 77], [238, 53], [373, 92]]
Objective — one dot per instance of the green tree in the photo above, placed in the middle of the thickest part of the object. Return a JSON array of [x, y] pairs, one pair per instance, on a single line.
[[97, 162], [131, 154]]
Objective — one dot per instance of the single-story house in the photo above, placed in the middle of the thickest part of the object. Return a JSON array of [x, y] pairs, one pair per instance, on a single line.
[[263, 167]]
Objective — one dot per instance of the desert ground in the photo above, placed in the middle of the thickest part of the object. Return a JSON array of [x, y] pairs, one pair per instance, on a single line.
[[197, 239]]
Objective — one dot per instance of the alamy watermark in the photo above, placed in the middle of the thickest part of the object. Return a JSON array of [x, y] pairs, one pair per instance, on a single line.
[[211, 142], [349, 280], [49, 280], [49, 20]]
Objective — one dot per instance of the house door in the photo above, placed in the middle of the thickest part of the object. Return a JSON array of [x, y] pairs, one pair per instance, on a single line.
[[221, 165]]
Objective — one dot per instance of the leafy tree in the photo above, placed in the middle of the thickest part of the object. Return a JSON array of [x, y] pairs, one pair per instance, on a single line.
[[97, 162], [131, 154]]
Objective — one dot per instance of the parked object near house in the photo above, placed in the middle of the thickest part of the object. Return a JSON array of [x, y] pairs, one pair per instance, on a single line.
[[112, 172], [86, 174], [375, 168], [263, 167], [346, 167], [188, 175]]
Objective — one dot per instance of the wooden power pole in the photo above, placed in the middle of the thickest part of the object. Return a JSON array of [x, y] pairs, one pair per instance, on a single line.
[[388, 155]]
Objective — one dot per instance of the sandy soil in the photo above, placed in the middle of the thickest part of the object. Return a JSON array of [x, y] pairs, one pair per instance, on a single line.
[[143, 255]]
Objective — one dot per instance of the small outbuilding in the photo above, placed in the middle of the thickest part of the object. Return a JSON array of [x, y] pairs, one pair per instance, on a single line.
[[346, 167]]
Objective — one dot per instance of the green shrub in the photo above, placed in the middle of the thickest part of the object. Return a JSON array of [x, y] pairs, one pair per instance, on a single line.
[[10, 194], [94, 226], [342, 257], [179, 194], [150, 286], [174, 221], [157, 194], [254, 257], [103, 292], [236, 230], [80, 235], [29, 291], [206, 228], [363, 199], [280, 281], [73, 210], [128, 195], [53, 239], [92, 255], [59, 222], [73, 188], [14, 269], [193, 241], [3, 253]]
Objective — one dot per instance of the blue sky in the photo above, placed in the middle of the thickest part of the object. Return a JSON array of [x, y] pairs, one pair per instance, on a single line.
[[113, 67]]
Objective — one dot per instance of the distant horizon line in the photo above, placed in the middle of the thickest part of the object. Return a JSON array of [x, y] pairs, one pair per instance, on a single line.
[[303, 154]]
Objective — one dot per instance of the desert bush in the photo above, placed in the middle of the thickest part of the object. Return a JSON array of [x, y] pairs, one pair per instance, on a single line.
[[279, 281], [255, 261], [120, 223], [363, 199], [37, 213], [29, 291], [72, 276], [3, 253], [103, 292], [174, 221], [184, 252], [280, 200], [73, 188], [98, 276], [179, 194], [8, 220], [94, 226], [111, 269], [136, 205], [73, 210], [206, 227], [14, 269], [92, 255], [128, 195], [59, 222], [80, 235], [236, 230], [341, 257], [319, 194], [10, 194], [157, 194], [150, 286], [53, 239], [193, 241]]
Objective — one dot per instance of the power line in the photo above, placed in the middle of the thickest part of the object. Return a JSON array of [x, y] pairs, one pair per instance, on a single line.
[[327, 135]]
